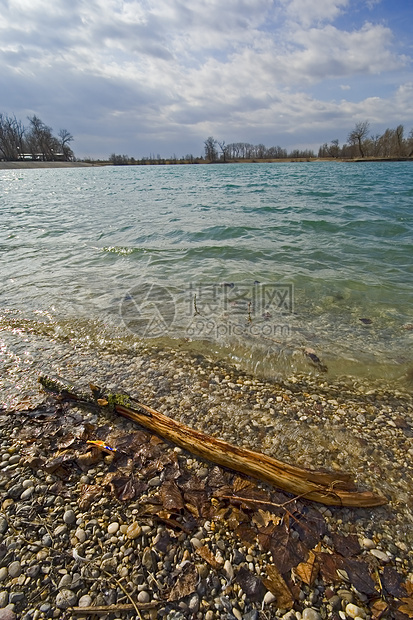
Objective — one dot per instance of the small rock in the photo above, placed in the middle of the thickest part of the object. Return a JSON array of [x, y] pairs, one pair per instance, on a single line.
[[269, 598], [3, 525], [47, 541], [154, 482], [7, 614], [4, 598], [346, 596], [228, 569], [85, 601], [33, 571], [311, 614], [45, 608], [113, 527], [353, 611], [27, 493], [65, 582], [236, 612], [196, 542], [3, 573], [251, 615], [193, 604], [15, 597], [380, 555], [367, 543], [143, 597], [69, 517], [80, 535], [134, 530], [15, 569], [65, 599]]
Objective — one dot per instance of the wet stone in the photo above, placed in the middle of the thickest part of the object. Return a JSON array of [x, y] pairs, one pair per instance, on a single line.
[[4, 598]]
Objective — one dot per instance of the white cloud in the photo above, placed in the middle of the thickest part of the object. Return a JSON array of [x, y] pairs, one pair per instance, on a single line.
[[309, 12], [165, 69]]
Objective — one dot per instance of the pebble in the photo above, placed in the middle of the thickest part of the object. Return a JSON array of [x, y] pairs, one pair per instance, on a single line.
[[7, 614], [269, 598], [311, 614], [65, 582], [143, 597], [134, 530], [380, 555], [354, 612], [27, 494], [3, 525], [65, 599], [367, 543], [85, 601], [113, 527], [4, 598], [69, 517], [15, 569], [3, 573]]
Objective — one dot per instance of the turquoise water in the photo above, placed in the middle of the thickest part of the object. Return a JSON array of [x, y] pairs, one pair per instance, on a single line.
[[256, 262]]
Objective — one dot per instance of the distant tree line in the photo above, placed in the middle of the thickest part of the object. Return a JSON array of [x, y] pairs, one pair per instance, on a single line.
[[34, 142], [360, 144], [391, 144], [219, 151]]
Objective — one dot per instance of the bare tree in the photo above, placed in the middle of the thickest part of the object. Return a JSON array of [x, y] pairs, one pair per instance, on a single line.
[[41, 141], [210, 146], [11, 137], [65, 137], [358, 135]]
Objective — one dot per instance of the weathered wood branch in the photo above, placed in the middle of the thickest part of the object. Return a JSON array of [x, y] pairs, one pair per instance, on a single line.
[[330, 488], [333, 489]]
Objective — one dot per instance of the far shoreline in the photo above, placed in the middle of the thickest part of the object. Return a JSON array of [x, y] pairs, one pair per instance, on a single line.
[[28, 165]]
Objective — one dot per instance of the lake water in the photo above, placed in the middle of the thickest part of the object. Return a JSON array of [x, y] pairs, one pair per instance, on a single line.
[[281, 268]]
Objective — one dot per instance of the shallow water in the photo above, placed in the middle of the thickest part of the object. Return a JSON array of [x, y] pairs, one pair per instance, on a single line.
[[257, 263]]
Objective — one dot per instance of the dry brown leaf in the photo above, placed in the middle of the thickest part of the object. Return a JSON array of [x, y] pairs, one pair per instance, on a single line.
[[407, 607], [185, 584], [207, 555], [308, 571], [378, 609], [409, 587], [277, 585], [262, 518], [241, 483]]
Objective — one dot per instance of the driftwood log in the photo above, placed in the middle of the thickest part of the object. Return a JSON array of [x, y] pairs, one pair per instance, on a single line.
[[332, 489]]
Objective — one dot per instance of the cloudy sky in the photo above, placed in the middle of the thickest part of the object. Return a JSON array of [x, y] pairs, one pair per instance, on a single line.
[[160, 76]]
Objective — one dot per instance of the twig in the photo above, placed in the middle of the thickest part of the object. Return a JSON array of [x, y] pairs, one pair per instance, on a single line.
[[107, 609]]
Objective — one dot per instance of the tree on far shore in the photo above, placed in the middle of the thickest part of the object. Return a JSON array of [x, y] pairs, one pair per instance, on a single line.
[[33, 142], [358, 135]]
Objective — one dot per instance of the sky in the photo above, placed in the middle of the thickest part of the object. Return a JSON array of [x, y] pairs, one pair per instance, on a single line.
[[142, 77]]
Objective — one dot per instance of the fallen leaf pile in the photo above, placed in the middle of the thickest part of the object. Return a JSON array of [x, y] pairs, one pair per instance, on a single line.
[[302, 549]]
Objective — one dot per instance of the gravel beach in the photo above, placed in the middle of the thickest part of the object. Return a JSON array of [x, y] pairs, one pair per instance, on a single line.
[[142, 529]]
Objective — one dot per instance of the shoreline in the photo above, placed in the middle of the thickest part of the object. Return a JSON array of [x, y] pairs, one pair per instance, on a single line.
[[28, 165], [304, 420]]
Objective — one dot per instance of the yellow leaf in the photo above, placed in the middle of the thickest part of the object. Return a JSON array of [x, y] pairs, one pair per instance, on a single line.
[[308, 571], [276, 584]]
